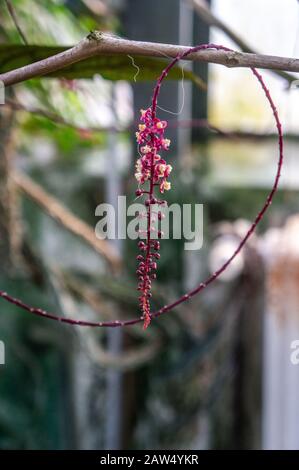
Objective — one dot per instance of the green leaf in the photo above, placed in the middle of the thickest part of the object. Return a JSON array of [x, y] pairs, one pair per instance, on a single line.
[[110, 67]]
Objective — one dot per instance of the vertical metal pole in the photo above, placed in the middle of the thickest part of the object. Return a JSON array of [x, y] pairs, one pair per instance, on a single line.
[[186, 21], [115, 336]]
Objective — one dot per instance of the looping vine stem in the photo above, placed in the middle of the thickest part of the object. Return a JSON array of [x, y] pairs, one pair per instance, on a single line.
[[216, 274]]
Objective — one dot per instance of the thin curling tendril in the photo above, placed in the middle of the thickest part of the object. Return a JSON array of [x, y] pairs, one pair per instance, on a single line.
[[148, 316]]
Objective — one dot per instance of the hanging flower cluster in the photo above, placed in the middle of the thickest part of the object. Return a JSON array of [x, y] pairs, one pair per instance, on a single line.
[[152, 171]]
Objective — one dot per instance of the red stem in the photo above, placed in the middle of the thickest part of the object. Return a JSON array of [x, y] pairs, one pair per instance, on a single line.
[[216, 274]]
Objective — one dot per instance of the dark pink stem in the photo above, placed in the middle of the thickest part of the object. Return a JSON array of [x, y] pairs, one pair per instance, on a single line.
[[215, 275]]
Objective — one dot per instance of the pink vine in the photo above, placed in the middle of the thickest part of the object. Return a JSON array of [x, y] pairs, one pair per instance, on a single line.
[[157, 141]]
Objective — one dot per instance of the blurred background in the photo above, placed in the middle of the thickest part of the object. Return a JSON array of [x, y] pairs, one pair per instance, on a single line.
[[215, 373]]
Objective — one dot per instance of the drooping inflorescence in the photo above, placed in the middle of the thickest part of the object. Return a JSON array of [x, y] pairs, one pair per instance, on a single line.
[[152, 172]]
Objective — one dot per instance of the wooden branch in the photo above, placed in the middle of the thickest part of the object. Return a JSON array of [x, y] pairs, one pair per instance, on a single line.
[[102, 43], [201, 7], [65, 218]]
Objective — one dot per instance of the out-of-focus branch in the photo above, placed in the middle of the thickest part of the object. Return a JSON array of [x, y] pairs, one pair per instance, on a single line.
[[203, 10], [65, 218], [14, 18], [214, 131], [56, 118], [98, 7], [91, 297], [103, 43], [130, 359], [10, 222]]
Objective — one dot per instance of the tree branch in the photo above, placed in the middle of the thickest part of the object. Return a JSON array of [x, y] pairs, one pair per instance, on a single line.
[[65, 218], [213, 131], [103, 43]]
